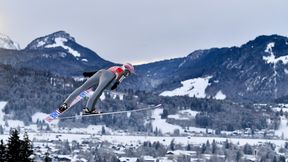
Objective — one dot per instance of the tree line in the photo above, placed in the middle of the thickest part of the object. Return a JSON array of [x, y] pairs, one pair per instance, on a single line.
[[16, 150]]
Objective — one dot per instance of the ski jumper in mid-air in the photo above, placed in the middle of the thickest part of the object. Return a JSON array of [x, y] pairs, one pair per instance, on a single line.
[[103, 79]]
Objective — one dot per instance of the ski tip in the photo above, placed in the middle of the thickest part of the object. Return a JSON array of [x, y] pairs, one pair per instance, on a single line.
[[48, 119]]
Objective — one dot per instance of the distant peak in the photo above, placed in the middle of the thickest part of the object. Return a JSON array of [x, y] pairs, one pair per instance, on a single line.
[[61, 34], [7, 43], [50, 40], [265, 39]]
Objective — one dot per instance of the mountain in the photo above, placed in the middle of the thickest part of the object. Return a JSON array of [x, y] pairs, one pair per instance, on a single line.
[[58, 53], [7, 43], [256, 71]]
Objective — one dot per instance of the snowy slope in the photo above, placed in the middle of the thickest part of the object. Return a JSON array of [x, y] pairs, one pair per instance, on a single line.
[[59, 42], [7, 43], [192, 87], [220, 96], [271, 59], [11, 123]]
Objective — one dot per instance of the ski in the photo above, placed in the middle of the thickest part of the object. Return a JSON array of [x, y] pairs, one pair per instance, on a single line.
[[55, 114], [109, 113]]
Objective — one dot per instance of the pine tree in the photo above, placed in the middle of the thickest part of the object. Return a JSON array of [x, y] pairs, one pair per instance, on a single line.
[[103, 131], [13, 147], [282, 159], [2, 152], [203, 148], [1, 129], [26, 148], [247, 149], [47, 158], [274, 159], [238, 155], [172, 145], [188, 147], [227, 144], [214, 147]]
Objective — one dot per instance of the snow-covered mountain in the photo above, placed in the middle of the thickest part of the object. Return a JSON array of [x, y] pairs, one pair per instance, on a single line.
[[255, 71], [53, 40], [7, 43], [57, 53]]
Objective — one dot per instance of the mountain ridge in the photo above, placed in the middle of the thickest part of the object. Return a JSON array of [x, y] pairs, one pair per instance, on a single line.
[[58, 53], [255, 71]]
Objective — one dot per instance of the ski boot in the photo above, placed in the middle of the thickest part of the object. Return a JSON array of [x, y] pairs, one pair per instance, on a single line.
[[86, 111], [63, 107]]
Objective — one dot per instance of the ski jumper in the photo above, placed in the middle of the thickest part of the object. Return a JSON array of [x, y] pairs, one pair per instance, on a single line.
[[103, 79]]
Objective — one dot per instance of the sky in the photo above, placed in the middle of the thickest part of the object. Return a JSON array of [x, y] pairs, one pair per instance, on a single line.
[[141, 31]]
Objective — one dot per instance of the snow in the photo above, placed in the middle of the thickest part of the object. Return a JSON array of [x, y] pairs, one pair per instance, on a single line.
[[220, 96], [184, 115], [136, 140], [192, 87], [149, 158], [39, 116], [102, 97], [128, 159], [79, 78], [126, 139], [2, 106], [161, 124], [91, 129], [279, 109], [283, 128], [183, 152], [84, 60], [7, 43], [15, 123], [41, 43], [198, 130], [59, 42], [114, 94], [272, 59]]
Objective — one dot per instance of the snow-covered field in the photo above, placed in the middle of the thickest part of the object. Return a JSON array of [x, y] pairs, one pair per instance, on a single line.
[[93, 132], [161, 124], [136, 140], [184, 115]]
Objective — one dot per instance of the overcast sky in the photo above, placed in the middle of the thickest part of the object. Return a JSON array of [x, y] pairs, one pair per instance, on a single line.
[[141, 31]]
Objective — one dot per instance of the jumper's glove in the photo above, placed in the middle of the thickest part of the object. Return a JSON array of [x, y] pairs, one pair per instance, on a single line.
[[115, 86], [89, 74]]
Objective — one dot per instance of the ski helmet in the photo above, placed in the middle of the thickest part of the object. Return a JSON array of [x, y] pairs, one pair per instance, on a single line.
[[129, 67]]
